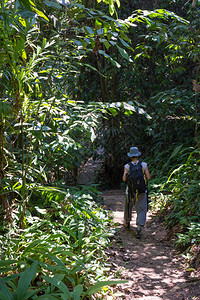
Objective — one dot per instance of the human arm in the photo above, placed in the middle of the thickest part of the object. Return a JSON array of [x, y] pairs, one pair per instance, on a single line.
[[147, 174], [124, 175]]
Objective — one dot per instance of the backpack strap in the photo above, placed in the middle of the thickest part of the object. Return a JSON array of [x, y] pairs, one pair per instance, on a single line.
[[140, 162]]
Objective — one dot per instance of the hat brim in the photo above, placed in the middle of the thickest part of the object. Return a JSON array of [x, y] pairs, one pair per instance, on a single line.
[[135, 155]]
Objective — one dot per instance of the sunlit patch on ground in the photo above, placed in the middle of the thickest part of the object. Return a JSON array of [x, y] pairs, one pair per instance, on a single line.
[[151, 266]]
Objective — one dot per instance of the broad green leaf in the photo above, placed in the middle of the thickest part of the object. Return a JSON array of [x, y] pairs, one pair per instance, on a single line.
[[97, 286], [77, 292], [32, 245], [57, 260], [125, 37], [40, 13], [113, 43], [25, 279], [111, 7], [53, 268], [52, 4], [124, 54], [89, 255], [118, 3], [98, 24], [176, 151], [91, 67], [115, 63], [64, 252], [125, 44], [59, 284], [69, 231], [7, 262], [106, 44], [89, 30], [77, 42], [100, 31], [41, 210], [5, 293], [113, 111]]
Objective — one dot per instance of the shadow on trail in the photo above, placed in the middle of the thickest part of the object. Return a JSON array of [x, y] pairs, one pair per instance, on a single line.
[[150, 264]]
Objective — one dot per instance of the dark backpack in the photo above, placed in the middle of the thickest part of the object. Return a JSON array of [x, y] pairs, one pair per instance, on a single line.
[[136, 179]]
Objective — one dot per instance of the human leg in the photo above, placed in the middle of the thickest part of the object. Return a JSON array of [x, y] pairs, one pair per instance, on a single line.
[[128, 209], [141, 210]]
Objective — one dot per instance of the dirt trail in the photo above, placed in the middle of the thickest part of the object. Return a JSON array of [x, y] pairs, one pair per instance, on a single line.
[[150, 265]]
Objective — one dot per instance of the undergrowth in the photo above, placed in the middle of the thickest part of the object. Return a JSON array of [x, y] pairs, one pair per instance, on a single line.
[[177, 199], [60, 252]]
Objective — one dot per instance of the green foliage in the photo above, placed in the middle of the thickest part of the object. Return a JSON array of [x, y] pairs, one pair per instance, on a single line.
[[180, 203], [53, 57], [172, 129], [45, 134], [45, 130], [60, 253], [115, 135]]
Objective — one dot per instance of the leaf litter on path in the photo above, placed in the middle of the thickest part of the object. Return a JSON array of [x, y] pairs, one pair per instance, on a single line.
[[153, 269]]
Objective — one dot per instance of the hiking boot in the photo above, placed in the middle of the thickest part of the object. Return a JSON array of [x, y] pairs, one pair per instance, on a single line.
[[138, 235], [127, 225]]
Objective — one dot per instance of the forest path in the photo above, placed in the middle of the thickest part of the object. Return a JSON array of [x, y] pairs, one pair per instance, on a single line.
[[150, 265]]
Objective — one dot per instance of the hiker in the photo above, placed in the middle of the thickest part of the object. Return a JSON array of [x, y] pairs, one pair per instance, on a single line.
[[139, 199]]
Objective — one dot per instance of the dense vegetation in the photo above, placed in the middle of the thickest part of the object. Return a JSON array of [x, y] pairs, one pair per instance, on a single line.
[[76, 75]]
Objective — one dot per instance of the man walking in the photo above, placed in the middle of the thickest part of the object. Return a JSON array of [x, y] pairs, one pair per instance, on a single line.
[[136, 197]]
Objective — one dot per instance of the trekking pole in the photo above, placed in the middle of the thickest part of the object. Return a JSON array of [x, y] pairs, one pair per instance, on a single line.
[[147, 197], [128, 204]]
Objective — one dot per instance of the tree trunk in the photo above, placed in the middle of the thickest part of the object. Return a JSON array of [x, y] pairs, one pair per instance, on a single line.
[[102, 80], [4, 203]]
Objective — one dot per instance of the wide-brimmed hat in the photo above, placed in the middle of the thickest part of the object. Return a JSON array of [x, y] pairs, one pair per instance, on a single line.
[[133, 152]]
